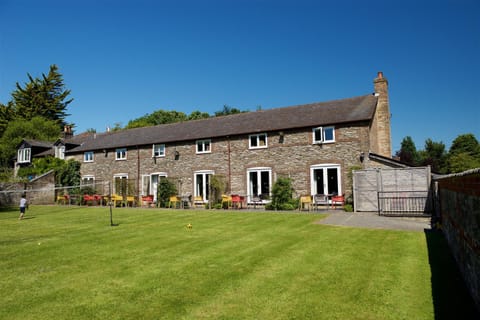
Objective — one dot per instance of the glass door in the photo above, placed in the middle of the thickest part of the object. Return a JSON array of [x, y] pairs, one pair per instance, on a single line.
[[325, 179]]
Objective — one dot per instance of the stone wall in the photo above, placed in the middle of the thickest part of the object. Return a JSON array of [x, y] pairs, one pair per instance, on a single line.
[[289, 153], [459, 199]]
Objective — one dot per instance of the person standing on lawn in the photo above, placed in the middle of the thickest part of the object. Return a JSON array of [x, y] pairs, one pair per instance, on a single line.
[[23, 206]]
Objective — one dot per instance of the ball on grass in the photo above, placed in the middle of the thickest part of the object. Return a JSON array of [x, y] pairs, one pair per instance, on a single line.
[[189, 226]]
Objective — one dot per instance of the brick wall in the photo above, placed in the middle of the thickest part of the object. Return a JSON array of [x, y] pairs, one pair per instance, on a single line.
[[459, 198], [289, 156]]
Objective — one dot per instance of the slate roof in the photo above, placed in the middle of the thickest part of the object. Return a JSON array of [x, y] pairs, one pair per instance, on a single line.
[[355, 109]]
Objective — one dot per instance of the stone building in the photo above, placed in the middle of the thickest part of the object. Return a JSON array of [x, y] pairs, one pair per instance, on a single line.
[[316, 145]]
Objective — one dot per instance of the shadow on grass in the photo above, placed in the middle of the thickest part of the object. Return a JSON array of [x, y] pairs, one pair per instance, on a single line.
[[451, 299]]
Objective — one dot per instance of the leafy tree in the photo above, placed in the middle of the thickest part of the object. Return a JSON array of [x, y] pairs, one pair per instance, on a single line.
[[408, 151], [45, 97], [6, 115], [37, 128], [227, 110], [156, 118], [464, 154], [68, 174], [40, 166], [434, 155], [196, 115]]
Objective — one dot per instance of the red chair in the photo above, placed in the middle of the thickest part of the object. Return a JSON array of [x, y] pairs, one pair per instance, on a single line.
[[338, 200], [237, 201]]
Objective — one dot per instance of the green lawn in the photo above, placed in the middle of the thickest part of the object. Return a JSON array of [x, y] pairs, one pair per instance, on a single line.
[[69, 263]]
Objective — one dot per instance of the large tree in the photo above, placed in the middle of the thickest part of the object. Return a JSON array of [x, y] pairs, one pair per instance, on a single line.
[[434, 155], [45, 97], [464, 153], [408, 151]]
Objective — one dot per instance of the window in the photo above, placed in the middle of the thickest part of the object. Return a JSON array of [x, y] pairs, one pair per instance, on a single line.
[[60, 152], [259, 182], [88, 156], [88, 181], [203, 146], [121, 185], [324, 135], [150, 183], [24, 155], [257, 141], [325, 179], [158, 150], [121, 154]]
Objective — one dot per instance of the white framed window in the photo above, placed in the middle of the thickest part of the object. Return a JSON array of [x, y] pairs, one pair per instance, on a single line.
[[121, 154], [24, 155], [158, 150], [150, 183], [88, 180], [88, 156], [257, 141], [324, 135], [204, 146], [60, 152]]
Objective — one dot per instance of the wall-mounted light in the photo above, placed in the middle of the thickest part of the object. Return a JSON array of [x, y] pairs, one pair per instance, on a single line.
[[105, 153], [362, 157], [177, 155], [281, 137]]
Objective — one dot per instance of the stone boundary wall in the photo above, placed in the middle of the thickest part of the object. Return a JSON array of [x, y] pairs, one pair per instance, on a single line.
[[459, 210], [40, 190]]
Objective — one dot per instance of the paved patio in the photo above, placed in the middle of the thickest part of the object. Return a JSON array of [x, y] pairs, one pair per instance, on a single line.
[[374, 221]]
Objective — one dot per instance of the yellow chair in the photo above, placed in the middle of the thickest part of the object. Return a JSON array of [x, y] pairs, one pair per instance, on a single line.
[[305, 202], [226, 201], [198, 201], [116, 199], [131, 201], [174, 202]]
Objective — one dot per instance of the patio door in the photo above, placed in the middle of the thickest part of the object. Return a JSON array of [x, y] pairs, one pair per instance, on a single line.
[[155, 179], [259, 182], [325, 179], [202, 184]]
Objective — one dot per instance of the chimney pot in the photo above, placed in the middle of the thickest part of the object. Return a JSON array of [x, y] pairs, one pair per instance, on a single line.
[[380, 74]]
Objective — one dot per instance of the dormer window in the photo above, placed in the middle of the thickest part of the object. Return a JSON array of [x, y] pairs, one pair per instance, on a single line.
[[24, 155], [324, 135], [257, 141]]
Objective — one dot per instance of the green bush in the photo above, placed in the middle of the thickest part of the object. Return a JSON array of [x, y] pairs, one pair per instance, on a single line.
[[348, 208], [282, 192], [166, 189]]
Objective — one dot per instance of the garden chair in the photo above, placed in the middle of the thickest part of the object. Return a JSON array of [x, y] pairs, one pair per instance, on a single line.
[[174, 202], [320, 200], [338, 200], [226, 201], [305, 203]]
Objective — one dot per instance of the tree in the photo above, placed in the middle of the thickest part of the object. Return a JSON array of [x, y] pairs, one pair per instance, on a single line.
[[434, 155], [408, 151], [156, 118], [227, 110], [45, 97], [196, 115], [464, 154], [37, 128]]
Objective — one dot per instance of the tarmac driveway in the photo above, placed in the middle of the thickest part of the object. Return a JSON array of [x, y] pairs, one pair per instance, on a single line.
[[374, 221]]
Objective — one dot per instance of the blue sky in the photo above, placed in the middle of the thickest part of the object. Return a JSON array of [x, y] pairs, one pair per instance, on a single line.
[[125, 59]]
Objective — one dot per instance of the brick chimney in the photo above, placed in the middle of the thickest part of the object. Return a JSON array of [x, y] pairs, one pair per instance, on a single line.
[[67, 131], [381, 137]]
